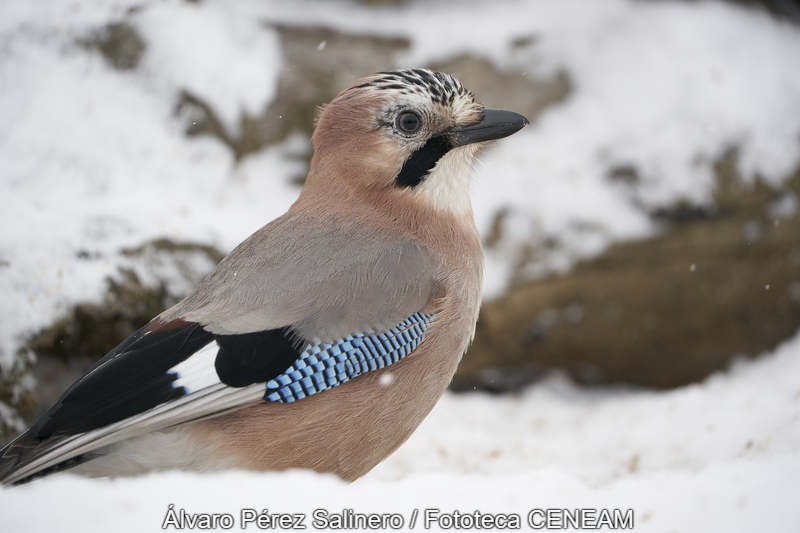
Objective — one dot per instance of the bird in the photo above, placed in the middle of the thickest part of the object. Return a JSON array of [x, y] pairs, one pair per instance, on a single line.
[[324, 339]]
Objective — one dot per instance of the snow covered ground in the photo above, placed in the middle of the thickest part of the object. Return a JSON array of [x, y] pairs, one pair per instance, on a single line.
[[93, 158], [722, 456]]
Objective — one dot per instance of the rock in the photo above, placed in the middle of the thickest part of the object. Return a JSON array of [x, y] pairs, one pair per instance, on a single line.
[[722, 282], [119, 43]]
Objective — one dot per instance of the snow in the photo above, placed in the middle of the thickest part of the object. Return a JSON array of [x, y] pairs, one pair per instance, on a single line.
[[720, 456], [95, 159], [193, 45]]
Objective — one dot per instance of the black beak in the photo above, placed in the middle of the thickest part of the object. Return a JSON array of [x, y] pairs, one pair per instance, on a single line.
[[496, 124]]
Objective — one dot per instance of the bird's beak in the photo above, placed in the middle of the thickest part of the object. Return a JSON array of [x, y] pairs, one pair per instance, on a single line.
[[496, 124]]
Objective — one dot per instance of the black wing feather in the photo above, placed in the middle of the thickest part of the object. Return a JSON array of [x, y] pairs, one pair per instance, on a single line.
[[254, 357], [131, 379]]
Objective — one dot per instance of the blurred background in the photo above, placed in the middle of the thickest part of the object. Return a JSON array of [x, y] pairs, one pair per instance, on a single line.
[[641, 235]]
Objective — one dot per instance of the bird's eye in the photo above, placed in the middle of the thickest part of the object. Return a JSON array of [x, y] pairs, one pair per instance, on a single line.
[[408, 122]]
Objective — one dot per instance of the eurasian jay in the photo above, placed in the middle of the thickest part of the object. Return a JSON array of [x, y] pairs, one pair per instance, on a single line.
[[324, 339]]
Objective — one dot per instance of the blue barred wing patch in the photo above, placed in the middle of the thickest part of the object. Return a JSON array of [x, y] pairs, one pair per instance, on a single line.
[[324, 365]]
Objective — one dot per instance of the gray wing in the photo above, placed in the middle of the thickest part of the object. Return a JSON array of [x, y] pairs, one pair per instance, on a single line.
[[325, 280]]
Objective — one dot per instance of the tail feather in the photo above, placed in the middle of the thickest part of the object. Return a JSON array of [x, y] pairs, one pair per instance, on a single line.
[[16, 454], [25, 449]]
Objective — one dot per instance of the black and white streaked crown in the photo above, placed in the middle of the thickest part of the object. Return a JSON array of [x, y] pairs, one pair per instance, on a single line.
[[438, 86]]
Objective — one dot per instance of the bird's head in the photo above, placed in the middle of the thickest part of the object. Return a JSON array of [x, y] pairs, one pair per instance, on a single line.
[[404, 137]]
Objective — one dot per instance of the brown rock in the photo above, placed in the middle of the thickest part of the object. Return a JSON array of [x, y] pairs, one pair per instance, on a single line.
[[661, 312]]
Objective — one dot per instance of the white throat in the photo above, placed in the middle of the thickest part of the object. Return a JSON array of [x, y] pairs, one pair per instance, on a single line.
[[447, 185]]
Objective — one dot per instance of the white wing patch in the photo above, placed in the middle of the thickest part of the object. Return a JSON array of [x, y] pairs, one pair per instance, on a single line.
[[197, 372]]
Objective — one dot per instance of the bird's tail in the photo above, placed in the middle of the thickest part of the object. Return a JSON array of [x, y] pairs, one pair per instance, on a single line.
[[21, 452]]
